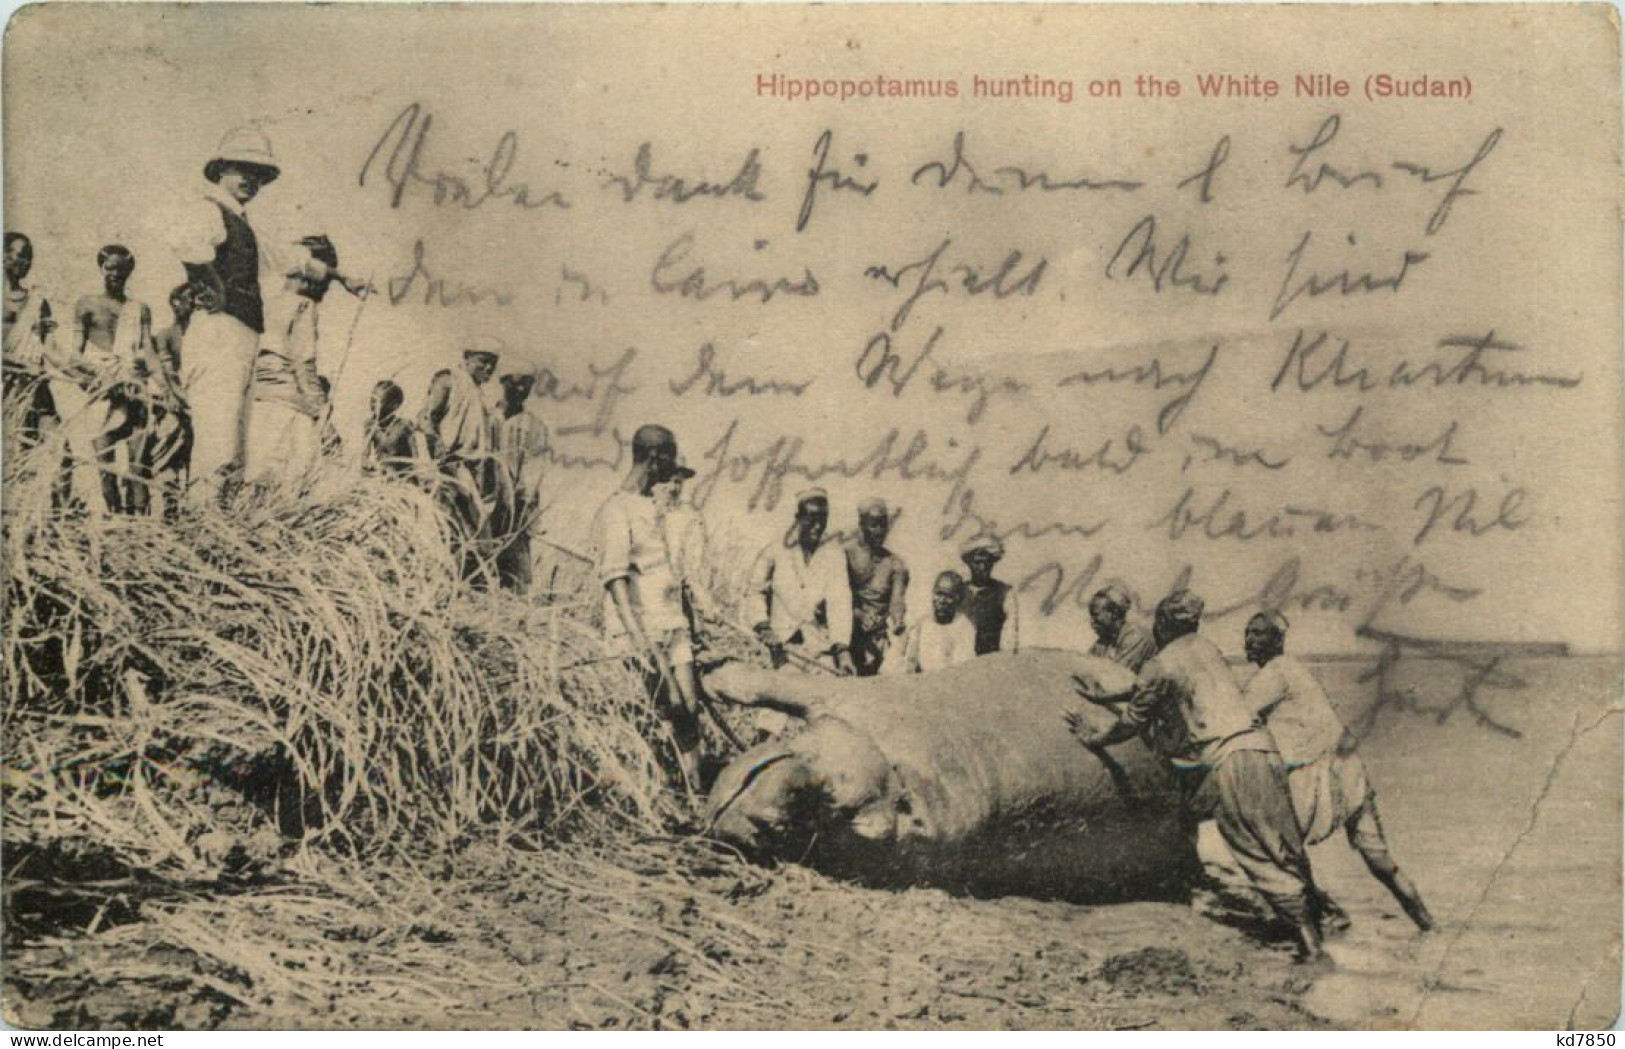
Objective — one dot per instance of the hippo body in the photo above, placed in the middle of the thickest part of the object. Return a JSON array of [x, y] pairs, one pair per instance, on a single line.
[[966, 778]]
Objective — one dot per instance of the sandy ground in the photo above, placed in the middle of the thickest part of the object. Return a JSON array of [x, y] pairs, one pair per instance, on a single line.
[[1513, 838], [800, 951]]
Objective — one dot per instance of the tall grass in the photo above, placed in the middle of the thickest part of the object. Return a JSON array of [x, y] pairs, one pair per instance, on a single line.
[[282, 760], [316, 652]]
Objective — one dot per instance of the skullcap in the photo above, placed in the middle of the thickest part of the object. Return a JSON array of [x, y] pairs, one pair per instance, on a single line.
[[1182, 608], [1115, 596], [982, 544], [483, 346], [1276, 620]]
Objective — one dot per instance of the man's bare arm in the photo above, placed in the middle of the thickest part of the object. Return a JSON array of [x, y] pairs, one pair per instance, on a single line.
[[899, 600], [439, 402]]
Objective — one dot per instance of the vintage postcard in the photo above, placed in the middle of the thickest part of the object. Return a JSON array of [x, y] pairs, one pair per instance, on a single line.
[[868, 517]]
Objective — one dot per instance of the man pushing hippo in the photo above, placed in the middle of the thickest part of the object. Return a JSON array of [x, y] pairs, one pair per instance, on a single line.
[[1225, 762]]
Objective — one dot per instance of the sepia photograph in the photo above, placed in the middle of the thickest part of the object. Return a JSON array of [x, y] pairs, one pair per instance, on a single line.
[[874, 517]]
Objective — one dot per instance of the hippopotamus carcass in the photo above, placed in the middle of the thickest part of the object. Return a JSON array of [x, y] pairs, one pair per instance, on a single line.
[[966, 778]]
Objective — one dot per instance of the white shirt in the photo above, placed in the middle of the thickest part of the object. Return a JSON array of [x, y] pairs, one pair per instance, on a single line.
[[202, 230], [931, 645], [794, 593], [466, 430], [1294, 707], [631, 545]]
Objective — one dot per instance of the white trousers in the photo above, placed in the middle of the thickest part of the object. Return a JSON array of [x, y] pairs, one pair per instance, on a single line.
[[83, 420], [219, 366], [282, 442]]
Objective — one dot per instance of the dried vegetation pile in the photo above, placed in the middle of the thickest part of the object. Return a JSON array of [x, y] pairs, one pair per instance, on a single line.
[[245, 749]]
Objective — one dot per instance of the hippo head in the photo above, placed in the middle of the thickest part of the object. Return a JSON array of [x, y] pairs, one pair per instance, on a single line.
[[827, 786]]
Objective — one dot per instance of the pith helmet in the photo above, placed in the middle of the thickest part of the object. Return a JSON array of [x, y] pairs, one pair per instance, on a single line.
[[248, 147]]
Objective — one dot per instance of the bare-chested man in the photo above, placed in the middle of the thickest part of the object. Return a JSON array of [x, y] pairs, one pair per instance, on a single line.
[[879, 581], [28, 342], [112, 340], [391, 442]]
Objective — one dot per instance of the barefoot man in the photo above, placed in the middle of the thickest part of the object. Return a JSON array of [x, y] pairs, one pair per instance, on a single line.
[[643, 607], [112, 337], [29, 346], [1327, 778]]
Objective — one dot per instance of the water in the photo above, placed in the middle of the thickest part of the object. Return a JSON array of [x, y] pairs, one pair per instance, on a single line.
[[1514, 843]]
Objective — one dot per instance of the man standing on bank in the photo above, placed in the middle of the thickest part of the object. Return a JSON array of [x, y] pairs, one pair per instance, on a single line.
[[289, 402], [879, 582], [643, 607], [1327, 779], [222, 258], [990, 604], [463, 435], [800, 599], [30, 349], [1226, 763], [521, 443]]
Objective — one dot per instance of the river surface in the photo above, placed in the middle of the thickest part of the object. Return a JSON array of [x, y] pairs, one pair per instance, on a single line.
[[1514, 841]]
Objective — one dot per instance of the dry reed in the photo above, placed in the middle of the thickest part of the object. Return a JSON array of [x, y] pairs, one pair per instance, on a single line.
[[319, 653], [262, 760]]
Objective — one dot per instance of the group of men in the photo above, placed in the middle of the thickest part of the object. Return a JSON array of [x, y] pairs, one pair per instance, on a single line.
[[1271, 764], [230, 393], [836, 607], [842, 605], [228, 390], [114, 389]]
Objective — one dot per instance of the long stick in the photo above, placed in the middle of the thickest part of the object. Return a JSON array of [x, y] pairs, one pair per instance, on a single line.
[[794, 657], [355, 322], [716, 719]]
